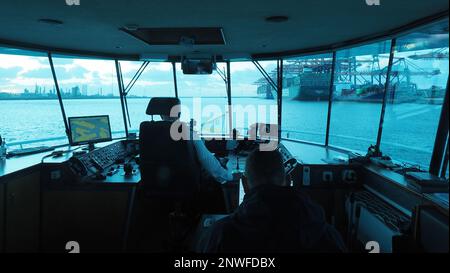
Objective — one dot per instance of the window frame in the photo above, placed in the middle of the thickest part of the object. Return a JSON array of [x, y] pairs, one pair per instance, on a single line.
[[440, 146]]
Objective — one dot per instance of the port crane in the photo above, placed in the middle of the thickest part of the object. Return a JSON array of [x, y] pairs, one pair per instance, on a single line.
[[359, 71]]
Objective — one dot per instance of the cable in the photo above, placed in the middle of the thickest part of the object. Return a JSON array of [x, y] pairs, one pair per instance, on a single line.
[[58, 153]]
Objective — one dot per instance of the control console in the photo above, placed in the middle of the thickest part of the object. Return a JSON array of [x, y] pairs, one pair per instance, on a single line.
[[105, 161]]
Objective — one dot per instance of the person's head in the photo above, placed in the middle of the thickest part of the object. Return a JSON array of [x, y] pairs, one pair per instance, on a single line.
[[168, 118], [265, 167]]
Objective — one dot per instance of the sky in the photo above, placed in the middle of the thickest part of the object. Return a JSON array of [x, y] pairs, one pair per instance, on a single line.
[[99, 76], [18, 72]]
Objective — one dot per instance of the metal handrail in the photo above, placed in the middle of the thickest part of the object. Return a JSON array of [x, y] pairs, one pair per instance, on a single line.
[[40, 140], [359, 139], [211, 121]]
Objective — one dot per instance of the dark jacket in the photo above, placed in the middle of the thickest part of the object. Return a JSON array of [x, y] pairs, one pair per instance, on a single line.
[[274, 219]]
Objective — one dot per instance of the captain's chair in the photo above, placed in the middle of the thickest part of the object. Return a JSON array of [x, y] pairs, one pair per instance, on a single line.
[[169, 168]]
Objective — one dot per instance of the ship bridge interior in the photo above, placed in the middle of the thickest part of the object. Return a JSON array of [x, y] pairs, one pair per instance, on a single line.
[[354, 95]]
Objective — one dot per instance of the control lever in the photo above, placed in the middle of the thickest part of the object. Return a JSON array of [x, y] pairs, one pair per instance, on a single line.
[[290, 165], [99, 176], [128, 168], [119, 161]]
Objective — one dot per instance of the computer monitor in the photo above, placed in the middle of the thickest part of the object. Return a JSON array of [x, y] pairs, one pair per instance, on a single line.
[[197, 66], [89, 130]]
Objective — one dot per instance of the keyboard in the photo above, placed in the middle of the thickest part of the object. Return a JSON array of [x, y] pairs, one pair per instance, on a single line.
[[29, 151], [384, 212], [105, 156]]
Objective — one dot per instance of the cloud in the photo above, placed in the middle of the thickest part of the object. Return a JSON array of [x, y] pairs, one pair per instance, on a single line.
[[153, 83], [26, 63], [31, 82], [242, 66], [18, 72], [37, 73], [128, 67], [9, 72], [161, 66], [249, 66], [131, 67]]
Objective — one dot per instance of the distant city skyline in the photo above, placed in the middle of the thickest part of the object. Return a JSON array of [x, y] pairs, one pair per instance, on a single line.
[[74, 91]]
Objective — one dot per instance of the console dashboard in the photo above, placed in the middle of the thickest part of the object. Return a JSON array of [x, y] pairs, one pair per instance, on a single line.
[[105, 161], [119, 158]]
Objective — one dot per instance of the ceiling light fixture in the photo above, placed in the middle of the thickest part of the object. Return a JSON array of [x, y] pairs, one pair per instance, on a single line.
[[50, 21], [277, 19], [131, 27]]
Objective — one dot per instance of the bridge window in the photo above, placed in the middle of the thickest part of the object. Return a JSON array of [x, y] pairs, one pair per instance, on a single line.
[[29, 113], [155, 81], [359, 81], [88, 88], [417, 88], [204, 99], [253, 98], [306, 88]]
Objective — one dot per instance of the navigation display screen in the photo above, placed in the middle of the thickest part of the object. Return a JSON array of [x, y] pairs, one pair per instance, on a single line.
[[93, 129]]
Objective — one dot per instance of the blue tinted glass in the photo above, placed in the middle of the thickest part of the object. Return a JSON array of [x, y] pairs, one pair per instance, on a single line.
[[155, 81], [204, 99], [89, 88], [359, 82], [306, 88], [417, 88], [253, 98], [29, 111]]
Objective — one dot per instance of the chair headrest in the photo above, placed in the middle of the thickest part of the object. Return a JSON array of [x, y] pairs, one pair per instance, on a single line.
[[161, 106]]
